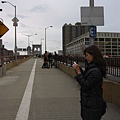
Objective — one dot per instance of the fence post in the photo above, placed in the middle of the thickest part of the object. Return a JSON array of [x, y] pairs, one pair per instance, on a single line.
[[71, 61], [66, 59], [2, 67]]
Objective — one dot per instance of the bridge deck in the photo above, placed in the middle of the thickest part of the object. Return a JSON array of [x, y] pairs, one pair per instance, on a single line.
[[46, 94]]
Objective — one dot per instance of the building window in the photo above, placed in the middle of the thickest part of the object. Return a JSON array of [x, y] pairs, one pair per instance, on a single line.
[[114, 43], [86, 43], [96, 39], [107, 46], [101, 39], [114, 50], [102, 34], [101, 43], [114, 39], [114, 46], [107, 39], [105, 34], [98, 34], [86, 39], [108, 50]]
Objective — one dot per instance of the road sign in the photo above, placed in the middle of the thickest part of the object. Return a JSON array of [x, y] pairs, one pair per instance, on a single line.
[[92, 31], [15, 20], [15, 24], [92, 16], [3, 29]]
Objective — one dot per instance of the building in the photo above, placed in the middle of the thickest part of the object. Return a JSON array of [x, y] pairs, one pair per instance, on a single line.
[[60, 52], [3, 51], [108, 42], [22, 51], [70, 32]]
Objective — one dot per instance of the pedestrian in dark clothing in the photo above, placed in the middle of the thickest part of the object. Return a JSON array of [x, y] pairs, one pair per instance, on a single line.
[[55, 59], [50, 60], [45, 64], [91, 80]]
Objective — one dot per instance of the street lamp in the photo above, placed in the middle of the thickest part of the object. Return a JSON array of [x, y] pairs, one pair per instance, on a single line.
[[29, 48], [45, 35], [15, 24], [29, 37], [31, 42], [41, 45]]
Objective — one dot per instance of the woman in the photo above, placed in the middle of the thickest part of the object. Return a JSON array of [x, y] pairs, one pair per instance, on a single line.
[[91, 84]]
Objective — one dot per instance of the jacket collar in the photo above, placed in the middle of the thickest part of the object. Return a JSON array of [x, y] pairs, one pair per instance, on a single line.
[[90, 65]]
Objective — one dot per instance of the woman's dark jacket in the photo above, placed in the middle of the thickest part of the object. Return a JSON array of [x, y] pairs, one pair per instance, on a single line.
[[91, 92]]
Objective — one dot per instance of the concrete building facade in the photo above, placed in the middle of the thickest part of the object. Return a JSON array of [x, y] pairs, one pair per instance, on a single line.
[[108, 42], [70, 32]]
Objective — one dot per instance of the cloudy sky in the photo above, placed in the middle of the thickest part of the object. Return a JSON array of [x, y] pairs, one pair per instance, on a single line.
[[35, 15]]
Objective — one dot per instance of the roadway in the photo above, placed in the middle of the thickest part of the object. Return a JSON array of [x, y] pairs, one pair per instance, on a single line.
[[28, 92]]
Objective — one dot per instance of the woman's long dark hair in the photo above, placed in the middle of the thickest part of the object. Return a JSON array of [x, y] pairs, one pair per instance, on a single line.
[[97, 58]]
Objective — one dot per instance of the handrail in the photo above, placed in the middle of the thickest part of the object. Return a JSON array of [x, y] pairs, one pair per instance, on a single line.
[[113, 63]]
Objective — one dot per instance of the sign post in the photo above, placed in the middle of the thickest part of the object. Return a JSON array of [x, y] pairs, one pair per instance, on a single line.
[[91, 29], [92, 16]]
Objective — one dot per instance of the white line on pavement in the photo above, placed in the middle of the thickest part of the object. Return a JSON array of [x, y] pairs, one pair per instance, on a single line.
[[23, 111]]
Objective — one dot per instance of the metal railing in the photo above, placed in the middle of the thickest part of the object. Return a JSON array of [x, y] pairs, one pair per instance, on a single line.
[[8, 59], [113, 64]]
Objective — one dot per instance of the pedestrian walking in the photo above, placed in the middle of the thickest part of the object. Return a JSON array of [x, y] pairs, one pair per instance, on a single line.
[[45, 64], [93, 107], [50, 60], [55, 59]]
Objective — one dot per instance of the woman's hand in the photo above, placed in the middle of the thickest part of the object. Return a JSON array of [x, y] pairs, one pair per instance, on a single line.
[[77, 68]]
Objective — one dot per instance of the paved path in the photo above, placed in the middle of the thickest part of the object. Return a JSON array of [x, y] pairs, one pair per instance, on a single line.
[[46, 94]]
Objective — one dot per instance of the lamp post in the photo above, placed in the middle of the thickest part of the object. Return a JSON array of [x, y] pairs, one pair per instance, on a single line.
[[15, 24], [31, 42], [5, 52], [29, 48], [45, 35], [91, 2], [29, 38], [41, 45]]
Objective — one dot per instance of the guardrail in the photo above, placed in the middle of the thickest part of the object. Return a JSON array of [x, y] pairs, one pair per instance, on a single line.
[[9, 62], [113, 64], [8, 59]]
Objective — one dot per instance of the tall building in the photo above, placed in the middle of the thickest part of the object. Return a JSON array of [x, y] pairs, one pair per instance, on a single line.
[[108, 42], [70, 32]]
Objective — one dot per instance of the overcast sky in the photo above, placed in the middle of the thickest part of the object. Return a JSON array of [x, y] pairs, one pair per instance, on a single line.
[[35, 15]]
